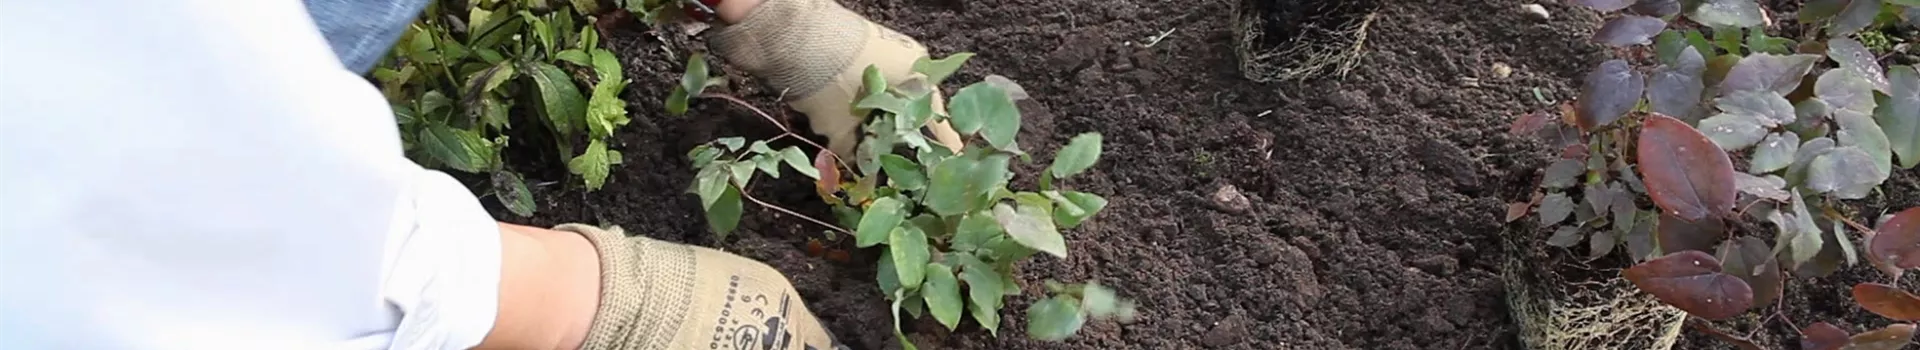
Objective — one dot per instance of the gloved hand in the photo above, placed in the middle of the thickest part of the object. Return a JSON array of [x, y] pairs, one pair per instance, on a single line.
[[663, 295], [816, 51]]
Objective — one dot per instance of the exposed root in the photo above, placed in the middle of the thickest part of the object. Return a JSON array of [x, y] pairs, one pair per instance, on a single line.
[[1554, 312], [1312, 52]]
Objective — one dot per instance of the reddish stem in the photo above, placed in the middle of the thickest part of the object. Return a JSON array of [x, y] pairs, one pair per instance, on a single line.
[[776, 123], [749, 197]]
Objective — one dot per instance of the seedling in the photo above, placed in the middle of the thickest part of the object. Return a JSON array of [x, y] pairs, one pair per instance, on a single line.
[[1812, 137], [448, 83], [951, 229]]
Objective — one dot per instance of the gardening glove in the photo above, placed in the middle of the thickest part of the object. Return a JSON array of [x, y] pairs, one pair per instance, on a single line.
[[661, 295], [816, 51]]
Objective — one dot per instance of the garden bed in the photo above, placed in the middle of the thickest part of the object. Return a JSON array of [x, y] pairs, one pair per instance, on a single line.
[[1374, 202]]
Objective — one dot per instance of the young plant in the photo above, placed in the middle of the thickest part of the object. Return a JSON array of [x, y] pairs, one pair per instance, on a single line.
[[448, 81], [1669, 132], [951, 230]]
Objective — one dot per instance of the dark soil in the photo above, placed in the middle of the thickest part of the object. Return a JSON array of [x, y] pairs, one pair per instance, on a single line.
[[1376, 200]]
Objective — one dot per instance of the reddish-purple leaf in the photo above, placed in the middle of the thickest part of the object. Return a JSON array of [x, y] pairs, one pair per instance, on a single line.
[[1609, 92], [1629, 30], [1768, 72], [1897, 245], [1517, 210], [1529, 123], [1675, 89], [1574, 151], [1855, 57], [1685, 173], [1605, 5], [1692, 282], [829, 182], [1677, 235], [1894, 337], [1887, 301], [1823, 336], [1655, 8], [1752, 261]]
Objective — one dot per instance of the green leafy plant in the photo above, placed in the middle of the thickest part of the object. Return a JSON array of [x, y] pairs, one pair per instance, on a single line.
[[1819, 120], [951, 230], [454, 81]]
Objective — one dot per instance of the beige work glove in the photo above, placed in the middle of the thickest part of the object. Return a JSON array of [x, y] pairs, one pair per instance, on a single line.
[[660, 295], [815, 51]]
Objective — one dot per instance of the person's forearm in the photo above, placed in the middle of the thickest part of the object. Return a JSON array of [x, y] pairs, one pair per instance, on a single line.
[[549, 289]]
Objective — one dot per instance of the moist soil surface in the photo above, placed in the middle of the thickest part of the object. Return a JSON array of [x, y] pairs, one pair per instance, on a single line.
[[1374, 200]]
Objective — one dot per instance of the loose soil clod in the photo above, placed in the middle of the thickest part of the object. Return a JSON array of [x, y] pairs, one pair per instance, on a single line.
[[1228, 199]]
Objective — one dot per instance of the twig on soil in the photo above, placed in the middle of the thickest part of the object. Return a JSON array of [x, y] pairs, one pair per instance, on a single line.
[[776, 123], [749, 197], [1155, 40]]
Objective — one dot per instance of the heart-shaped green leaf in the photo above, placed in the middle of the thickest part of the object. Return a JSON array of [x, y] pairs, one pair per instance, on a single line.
[[1769, 108], [1728, 13], [1859, 14], [1733, 132], [1079, 154], [1774, 153], [986, 109], [880, 221], [908, 245], [1031, 226], [1780, 74], [1629, 30], [942, 293], [1899, 116], [1055, 318], [1675, 89]]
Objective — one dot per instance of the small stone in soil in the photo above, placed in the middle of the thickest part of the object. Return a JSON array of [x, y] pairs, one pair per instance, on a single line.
[[1537, 10], [1229, 331], [1228, 199]]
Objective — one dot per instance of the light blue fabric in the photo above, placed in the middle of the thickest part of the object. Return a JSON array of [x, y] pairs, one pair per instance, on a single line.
[[361, 31]]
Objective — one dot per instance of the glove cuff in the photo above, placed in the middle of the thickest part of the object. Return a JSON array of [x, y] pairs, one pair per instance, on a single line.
[[644, 286], [797, 46], [657, 295]]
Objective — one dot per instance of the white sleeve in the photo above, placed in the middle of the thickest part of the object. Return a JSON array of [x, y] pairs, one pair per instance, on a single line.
[[203, 174]]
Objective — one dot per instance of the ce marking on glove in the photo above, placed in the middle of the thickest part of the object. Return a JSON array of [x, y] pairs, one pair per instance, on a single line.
[[763, 326]]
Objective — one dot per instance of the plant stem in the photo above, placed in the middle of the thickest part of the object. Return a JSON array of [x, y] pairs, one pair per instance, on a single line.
[[749, 197], [776, 122], [1864, 230]]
